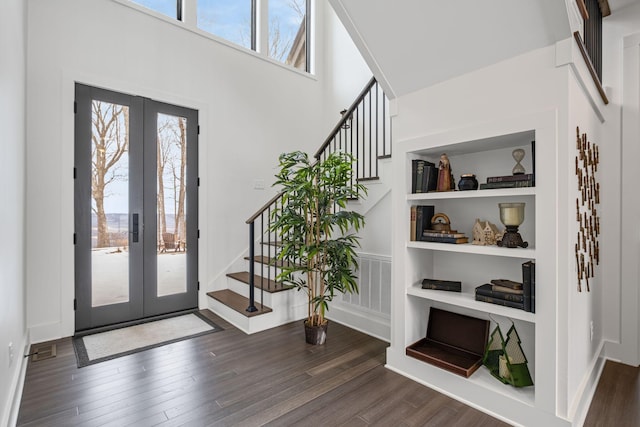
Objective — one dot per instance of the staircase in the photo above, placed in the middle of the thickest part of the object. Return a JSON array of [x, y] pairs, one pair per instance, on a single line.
[[254, 300]]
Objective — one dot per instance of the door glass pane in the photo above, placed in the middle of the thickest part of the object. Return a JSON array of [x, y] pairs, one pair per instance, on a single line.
[[172, 226], [287, 32], [229, 19], [109, 204]]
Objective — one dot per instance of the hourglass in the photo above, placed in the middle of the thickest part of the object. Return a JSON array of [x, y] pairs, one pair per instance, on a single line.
[[518, 155]]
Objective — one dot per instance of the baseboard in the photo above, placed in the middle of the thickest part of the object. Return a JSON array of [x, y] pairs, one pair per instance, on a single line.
[[587, 389], [366, 322], [46, 332], [12, 405]]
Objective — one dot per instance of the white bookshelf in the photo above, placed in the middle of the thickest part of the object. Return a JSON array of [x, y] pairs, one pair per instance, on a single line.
[[484, 150]]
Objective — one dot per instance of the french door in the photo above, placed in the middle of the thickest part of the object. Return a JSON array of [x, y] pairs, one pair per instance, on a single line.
[[136, 208]]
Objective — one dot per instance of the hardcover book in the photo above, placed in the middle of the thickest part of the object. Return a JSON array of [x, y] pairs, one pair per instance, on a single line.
[[507, 184], [424, 213], [430, 177], [508, 178], [412, 223], [456, 240], [507, 283], [529, 285], [433, 233], [442, 285], [488, 291], [499, 301], [422, 174], [505, 289]]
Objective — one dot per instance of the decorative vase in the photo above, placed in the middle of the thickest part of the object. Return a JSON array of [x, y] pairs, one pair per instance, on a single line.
[[316, 335], [468, 181]]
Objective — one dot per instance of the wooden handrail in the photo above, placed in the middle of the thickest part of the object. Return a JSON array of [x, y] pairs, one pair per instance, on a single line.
[[264, 207], [345, 117], [590, 67]]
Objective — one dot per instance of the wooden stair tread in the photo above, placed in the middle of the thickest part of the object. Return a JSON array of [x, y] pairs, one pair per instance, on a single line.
[[270, 261], [268, 285], [238, 302]]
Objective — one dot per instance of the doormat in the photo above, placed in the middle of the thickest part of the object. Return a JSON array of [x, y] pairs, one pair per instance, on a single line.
[[98, 347]]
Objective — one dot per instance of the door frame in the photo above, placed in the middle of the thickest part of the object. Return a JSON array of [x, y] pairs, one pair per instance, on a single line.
[[143, 115]]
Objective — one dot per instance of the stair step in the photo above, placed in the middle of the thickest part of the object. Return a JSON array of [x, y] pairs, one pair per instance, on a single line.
[[238, 302], [386, 156], [270, 261], [369, 178], [259, 282]]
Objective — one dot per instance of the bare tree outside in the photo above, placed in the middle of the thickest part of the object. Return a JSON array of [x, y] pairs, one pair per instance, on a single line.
[[110, 141], [172, 162], [280, 40]]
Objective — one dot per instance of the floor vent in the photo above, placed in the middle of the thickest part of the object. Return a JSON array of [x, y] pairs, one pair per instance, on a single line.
[[45, 351]]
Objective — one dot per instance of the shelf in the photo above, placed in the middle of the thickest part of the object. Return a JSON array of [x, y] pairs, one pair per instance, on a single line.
[[471, 194], [436, 377], [467, 300], [484, 378], [468, 248]]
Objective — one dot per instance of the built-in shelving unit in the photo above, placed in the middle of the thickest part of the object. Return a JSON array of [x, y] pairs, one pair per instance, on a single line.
[[484, 150]]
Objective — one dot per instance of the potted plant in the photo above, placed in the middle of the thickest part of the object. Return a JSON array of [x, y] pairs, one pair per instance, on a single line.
[[318, 250]]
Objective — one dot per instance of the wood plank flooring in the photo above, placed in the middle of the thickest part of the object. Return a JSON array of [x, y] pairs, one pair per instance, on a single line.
[[228, 378], [617, 398]]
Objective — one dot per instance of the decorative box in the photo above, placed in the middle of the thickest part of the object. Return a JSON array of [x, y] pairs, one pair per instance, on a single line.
[[454, 342]]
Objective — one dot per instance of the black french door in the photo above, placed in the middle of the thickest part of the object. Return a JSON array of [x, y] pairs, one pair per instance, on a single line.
[[136, 208]]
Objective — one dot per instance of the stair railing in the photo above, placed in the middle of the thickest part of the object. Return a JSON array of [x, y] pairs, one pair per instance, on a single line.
[[364, 131]]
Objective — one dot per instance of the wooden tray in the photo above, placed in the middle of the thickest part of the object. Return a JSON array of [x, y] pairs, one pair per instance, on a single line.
[[454, 342]]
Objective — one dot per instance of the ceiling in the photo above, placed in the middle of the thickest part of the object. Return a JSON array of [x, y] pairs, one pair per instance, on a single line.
[[413, 44]]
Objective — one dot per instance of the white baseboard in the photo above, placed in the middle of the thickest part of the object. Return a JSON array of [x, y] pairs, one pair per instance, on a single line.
[[12, 405], [587, 389], [367, 322]]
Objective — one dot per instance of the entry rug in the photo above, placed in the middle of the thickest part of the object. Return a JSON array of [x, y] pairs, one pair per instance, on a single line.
[[108, 345]]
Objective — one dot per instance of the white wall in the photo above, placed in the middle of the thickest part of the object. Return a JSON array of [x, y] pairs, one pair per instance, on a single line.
[[251, 109], [539, 81], [12, 177], [345, 71], [621, 326]]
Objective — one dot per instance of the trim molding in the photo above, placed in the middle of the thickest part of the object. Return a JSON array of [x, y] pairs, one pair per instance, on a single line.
[[12, 404]]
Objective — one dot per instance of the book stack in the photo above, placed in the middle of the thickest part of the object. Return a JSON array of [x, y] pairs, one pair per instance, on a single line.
[[442, 285], [451, 236], [509, 181], [424, 176], [510, 293], [420, 219]]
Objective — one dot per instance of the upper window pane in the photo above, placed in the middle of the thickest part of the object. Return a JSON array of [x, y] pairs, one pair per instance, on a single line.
[[288, 32], [166, 7], [228, 19]]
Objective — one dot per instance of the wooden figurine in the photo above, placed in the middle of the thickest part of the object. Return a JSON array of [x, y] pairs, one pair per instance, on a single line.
[[485, 233], [445, 175]]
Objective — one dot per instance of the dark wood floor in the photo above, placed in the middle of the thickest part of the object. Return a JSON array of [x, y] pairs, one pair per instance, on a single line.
[[617, 398], [229, 378], [271, 378]]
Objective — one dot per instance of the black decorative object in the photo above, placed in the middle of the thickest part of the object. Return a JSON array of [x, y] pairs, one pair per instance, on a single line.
[[467, 182]]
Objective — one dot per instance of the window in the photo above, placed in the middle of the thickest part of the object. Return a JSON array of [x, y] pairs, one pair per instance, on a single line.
[[231, 20], [288, 32], [278, 29], [171, 8]]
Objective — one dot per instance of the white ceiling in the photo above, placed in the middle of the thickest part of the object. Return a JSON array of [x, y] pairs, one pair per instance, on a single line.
[[413, 44]]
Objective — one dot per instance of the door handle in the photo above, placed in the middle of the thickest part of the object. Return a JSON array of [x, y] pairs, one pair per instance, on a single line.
[[135, 228]]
